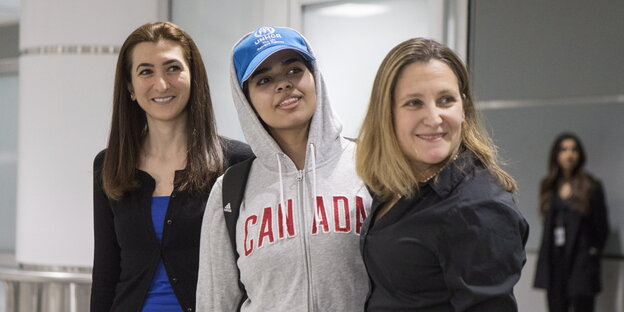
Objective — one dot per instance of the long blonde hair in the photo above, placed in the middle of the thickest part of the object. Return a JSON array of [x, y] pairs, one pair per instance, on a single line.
[[379, 159]]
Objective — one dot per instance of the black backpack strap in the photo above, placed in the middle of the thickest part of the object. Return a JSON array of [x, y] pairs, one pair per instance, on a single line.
[[233, 191], [234, 184]]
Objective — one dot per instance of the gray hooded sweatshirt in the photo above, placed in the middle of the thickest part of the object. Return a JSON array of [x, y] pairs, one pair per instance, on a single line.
[[304, 257]]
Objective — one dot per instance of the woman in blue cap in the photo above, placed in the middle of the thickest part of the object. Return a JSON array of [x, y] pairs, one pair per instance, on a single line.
[[302, 211]]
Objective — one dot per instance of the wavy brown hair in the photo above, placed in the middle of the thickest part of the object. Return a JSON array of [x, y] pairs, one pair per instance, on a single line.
[[379, 159], [580, 181], [204, 157]]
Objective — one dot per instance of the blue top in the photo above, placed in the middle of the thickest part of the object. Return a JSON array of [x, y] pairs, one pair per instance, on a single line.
[[160, 296]]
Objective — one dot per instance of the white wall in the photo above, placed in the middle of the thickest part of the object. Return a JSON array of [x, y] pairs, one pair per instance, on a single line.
[[216, 26]]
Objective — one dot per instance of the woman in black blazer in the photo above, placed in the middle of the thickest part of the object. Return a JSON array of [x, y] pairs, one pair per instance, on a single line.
[[575, 229]]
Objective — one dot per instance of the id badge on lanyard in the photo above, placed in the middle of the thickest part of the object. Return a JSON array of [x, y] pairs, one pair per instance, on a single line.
[[559, 235]]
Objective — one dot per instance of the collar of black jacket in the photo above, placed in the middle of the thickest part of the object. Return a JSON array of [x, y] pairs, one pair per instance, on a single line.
[[453, 173]]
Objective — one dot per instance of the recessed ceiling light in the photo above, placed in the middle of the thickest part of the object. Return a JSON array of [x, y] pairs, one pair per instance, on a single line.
[[354, 10]]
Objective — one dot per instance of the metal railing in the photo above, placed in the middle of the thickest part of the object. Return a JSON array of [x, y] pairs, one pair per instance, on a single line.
[[46, 289]]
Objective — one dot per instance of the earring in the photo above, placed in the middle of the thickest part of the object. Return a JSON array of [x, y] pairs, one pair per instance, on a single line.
[[132, 97]]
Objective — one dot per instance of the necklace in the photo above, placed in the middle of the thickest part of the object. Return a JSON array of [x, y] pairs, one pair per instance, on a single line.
[[442, 167]]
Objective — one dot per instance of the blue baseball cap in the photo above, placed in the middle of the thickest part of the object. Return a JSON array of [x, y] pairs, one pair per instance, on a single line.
[[262, 43]]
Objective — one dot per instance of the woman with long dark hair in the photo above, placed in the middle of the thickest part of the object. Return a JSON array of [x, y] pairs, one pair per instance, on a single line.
[[573, 207], [152, 182]]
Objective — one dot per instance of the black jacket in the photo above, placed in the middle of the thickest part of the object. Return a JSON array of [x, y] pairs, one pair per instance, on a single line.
[[585, 239], [127, 250], [456, 246]]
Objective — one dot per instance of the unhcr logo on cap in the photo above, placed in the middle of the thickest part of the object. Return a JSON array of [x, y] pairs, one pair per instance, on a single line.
[[266, 36], [263, 31]]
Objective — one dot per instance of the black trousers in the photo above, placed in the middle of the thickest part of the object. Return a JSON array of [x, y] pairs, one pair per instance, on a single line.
[[558, 303], [558, 299]]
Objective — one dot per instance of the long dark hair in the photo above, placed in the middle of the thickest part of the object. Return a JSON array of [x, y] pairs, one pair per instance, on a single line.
[[204, 158], [580, 181]]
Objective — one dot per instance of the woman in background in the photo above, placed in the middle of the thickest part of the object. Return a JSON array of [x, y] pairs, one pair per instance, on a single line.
[[572, 204], [444, 233], [152, 182]]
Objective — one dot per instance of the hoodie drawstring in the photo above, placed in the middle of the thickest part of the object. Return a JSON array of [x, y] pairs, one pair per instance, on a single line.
[[317, 213], [282, 202]]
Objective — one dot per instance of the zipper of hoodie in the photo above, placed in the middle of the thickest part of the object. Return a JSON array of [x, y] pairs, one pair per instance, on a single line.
[[303, 229]]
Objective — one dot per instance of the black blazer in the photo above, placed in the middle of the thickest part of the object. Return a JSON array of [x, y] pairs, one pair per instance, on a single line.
[[127, 250], [585, 239]]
